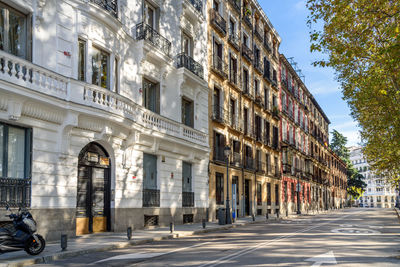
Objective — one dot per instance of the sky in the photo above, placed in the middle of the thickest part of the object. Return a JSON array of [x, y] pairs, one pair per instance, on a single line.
[[289, 18]]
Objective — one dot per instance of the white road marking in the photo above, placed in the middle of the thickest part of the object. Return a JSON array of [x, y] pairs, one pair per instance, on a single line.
[[355, 231], [258, 246], [323, 258], [146, 255]]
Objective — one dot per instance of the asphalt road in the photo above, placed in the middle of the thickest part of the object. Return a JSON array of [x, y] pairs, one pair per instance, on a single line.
[[353, 237]]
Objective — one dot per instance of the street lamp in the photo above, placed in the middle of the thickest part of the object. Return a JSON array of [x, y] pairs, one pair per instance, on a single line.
[[227, 152]]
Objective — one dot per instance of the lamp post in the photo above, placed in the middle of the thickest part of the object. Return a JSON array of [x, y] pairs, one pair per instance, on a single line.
[[227, 152], [298, 194]]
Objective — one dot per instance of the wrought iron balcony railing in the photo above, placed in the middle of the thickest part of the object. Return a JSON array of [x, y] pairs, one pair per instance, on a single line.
[[185, 61], [249, 163], [236, 159], [146, 32], [267, 46], [247, 53], [151, 198], [235, 4], [187, 199], [260, 166], [234, 40], [197, 4], [219, 66], [258, 65], [219, 154], [15, 192], [247, 20], [218, 21], [110, 6], [258, 34], [234, 77], [219, 114]]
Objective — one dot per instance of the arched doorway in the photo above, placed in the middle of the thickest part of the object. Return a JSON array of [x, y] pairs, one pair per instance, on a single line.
[[93, 192]]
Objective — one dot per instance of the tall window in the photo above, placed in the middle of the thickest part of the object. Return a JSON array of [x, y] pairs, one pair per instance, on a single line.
[[232, 69], [219, 188], [14, 32], [81, 60], [186, 177], [266, 98], [187, 45], [232, 114], [151, 96], [100, 68], [245, 80], [151, 15], [276, 194], [219, 145], [268, 193], [259, 194], [151, 193], [187, 112], [285, 190]]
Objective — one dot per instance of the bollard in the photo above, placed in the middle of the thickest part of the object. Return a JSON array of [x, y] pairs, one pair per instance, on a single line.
[[266, 216], [287, 213], [253, 217], [203, 223], [64, 242], [277, 215], [129, 232], [171, 227]]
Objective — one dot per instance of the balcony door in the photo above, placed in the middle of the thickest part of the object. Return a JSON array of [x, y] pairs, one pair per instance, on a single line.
[[93, 191]]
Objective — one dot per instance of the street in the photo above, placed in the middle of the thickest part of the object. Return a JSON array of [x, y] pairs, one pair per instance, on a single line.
[[352, 237]]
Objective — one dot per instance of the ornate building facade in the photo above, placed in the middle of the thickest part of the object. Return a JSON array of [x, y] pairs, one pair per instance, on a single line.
[[104, 113]]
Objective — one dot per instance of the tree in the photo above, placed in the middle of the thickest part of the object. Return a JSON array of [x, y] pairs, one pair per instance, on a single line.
[[361, 39], [355, 184]]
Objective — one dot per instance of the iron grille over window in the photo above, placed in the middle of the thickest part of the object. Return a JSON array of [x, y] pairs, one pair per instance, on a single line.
[[110, 6], [151, 198], [187, 199], [15, 192]]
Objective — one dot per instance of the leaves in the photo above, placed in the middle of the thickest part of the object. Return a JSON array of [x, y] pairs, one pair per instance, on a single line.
[[362, 41]]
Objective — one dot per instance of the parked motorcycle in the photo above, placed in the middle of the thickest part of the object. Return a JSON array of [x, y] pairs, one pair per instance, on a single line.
[[21, 234]]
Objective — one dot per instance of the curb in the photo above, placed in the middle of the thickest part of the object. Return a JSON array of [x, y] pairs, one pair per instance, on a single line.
[[112, 246]]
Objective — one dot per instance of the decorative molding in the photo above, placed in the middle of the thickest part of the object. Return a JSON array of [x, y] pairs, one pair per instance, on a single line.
[[63, 143], [34, 110]]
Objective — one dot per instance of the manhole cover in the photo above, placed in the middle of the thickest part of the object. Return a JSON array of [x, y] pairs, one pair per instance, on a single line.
[[355, 231]]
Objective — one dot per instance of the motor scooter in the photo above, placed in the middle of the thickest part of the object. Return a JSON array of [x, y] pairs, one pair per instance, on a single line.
[[20, 234]]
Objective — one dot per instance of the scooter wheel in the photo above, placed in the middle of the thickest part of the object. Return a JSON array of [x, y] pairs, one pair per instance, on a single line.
[[34, 248]]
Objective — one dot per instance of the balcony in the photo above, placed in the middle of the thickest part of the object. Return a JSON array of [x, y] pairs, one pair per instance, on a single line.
[[258, 34], [187, 199], [236, 159], [185, 61], [267, 46], [260, 166], [275, 112], [111, 6], [219, 114], [248, 90], [267, 140], [234, 78], [219, 66], [258, 66], [247, 21], [249, 163], [235, 4], [15, 192], [219, 154], [147, 33], [218, 21], [234, 40], [247, 53], [286, 168], [258, 99], [233, 122], [151, 198], [197, 4]]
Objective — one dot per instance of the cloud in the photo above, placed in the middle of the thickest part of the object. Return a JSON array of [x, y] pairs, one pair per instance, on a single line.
[[300, 6], [344, 125]]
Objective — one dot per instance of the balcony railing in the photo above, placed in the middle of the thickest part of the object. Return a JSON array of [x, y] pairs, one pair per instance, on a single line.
[[151, 198], [187, 199], [260, 167], [219, 154], [219, 114], [236, 159], [197, 4], [249, 163], [234, 40], [235, 4], [247, 53], [219, 66], [146, 32], [185, 61], [258, 34], [258, 65], [267, 46], [15, 192], [110, 6], [218, 21], [247, 20], [234, 77]]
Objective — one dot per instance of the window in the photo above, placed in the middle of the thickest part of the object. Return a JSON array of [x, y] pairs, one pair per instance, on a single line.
[[187, 112], [232, 114], [267, 68], [268, 162], [232, 27], [100, 68], [276, 165], [292, 192], [245, 81], [259, 196], [151, 15], [275, 137], [266, 98], [15, 32], [15, 165], [276, 195], [285, 190], [151, 96], [258, 127], [233, 69], [268, 193], [245, 120], [81, 60], [219, 188], [187, 45], [219, 145], [267, 132]]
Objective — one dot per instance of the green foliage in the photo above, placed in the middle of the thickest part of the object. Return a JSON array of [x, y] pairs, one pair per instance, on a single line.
[[362, 41], [355, 184]]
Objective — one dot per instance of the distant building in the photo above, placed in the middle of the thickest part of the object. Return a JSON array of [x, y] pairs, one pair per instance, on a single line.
[[379, 193]]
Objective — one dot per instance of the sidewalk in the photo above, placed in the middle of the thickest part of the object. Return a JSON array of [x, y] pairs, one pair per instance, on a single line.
[[110, 240]]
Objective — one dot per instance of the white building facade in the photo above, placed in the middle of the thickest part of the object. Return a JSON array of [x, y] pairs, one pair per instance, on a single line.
[[378, 193], [104, 113]]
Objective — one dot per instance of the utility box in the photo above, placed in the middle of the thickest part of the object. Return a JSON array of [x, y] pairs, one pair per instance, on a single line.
[[221, 215]]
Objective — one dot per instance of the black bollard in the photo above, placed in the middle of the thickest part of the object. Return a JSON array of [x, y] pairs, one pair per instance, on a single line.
[[129, 233], [171, 227], [266, 216], [64, 242], [253, 217], [203, 223]]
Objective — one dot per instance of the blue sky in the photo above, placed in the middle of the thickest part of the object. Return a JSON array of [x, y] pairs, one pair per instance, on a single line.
[[289, 19]]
